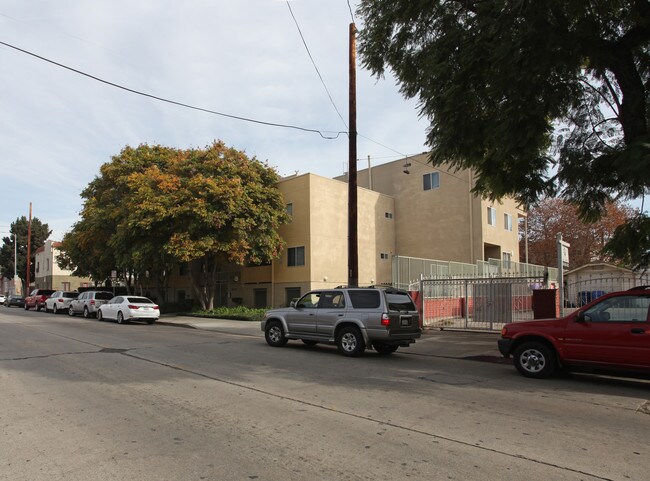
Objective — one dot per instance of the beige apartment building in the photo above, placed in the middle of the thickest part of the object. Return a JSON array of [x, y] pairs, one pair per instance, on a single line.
[[48, 274], [438, 217], [426, 213]]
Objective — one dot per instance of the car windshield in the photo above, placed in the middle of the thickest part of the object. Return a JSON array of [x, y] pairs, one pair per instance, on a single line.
[[139, 300], [104, 296]]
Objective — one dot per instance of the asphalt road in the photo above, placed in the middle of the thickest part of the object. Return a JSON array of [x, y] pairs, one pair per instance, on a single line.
[[88, 400]]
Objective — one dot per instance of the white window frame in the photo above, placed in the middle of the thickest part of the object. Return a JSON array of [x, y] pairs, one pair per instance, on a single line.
[[491, 216], [507, 221], [434, 181]]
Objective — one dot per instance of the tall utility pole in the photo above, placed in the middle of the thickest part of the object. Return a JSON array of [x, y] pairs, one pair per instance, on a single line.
[[29, 249], [353, 249]]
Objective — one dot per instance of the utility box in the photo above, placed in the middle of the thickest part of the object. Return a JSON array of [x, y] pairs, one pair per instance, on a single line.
[[546, 304]]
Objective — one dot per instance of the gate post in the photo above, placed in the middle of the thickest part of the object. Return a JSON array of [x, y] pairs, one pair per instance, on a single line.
[[466, 303]]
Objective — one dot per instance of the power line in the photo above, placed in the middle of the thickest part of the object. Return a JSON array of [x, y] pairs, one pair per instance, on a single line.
[[180, 104], [314, 64], [351, 14]]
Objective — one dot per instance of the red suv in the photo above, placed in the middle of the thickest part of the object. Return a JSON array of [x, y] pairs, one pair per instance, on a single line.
[[37, 298], [613, 331]]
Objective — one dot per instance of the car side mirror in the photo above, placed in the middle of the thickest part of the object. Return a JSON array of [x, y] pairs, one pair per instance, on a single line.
[[292, 304], [582, 317]]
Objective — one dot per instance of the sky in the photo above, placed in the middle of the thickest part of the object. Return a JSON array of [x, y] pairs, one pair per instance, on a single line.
[[240, 57]]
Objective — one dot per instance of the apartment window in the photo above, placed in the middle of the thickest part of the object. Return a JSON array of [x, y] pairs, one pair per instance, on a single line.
[[431, 180], [291, 294], [507, 221], [290, 209], [389, 215], [491, 216], [47, 264], [183, 269], [507, 259], [384, 256], [65, 286], [296, 256], [38, 267]]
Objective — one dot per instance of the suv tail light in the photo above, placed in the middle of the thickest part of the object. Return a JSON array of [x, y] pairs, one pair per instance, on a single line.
[[385, 320], [92, 302], [156, 308], [59, 300]]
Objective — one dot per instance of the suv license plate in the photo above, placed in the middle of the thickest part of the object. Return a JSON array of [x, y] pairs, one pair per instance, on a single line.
[[405, 320]]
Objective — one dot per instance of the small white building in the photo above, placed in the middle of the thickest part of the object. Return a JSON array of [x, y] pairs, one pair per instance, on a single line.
[[591, 281], [48, 274]]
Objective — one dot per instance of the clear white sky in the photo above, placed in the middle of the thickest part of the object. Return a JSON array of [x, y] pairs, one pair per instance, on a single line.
[[241, 57]]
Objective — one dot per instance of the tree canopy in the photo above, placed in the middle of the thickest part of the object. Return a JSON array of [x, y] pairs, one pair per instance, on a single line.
[[20, 227], [551, 216], [154, 207], [538, 97]]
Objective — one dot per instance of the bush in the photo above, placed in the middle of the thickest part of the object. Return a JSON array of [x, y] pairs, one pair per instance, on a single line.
[[236, 313]]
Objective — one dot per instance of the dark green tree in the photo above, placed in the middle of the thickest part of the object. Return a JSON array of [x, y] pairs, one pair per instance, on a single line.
[[40, 233], [538, 97]]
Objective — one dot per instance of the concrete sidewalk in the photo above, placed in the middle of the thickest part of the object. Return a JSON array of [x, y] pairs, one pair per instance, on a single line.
[[434, 342]]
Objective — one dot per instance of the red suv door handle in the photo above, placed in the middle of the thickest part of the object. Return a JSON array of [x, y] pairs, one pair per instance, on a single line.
[[637, 331]]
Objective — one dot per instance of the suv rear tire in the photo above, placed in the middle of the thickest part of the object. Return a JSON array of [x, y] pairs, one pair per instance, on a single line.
[[274, 334], [535, 359], [384, 349], [350, 342]]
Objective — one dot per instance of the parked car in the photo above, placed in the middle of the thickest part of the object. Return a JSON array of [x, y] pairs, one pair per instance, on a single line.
[[18, 301], [87, 303], [129, 308], [37, 298], [610, 332], [59, 301], [3, 298], [352, 318]]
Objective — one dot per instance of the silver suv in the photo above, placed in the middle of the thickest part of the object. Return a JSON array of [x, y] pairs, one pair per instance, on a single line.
[[88, 302], [352, 318]]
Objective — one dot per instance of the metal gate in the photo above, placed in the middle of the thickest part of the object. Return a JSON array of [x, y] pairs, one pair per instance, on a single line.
[[477, 303]]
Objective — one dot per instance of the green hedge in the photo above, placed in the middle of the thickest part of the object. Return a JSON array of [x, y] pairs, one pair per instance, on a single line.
[[235, 313]]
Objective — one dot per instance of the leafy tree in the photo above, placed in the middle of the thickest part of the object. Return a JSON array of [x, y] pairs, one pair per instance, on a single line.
[[155, 207], [552, 216], [20, 227], [539, 97]]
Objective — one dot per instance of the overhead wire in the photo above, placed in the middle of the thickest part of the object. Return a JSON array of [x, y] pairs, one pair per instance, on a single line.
[[180, 104], [304, 42], [351, 14]]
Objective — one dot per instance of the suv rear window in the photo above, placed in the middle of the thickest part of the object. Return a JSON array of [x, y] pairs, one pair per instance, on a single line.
[[364, 299], [399, 301], [104, 296]]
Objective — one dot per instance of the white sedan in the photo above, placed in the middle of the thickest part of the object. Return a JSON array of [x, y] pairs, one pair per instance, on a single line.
[[129, 308]]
